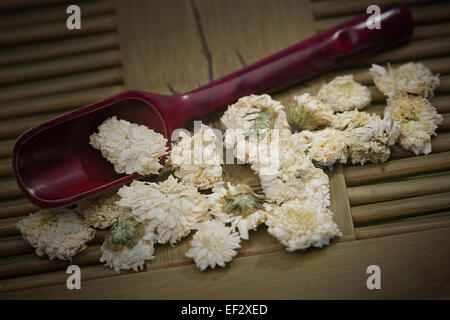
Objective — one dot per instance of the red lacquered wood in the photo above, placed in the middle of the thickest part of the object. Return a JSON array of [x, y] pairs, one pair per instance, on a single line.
[[55, 166]]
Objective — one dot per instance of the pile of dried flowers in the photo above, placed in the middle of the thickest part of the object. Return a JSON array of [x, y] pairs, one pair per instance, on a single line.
[[295, 201]]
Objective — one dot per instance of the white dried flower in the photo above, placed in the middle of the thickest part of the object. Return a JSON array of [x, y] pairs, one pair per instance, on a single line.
[[101, 212], [243, 113], [170, 209], [310, 112], [418, 121], [343, 93], [327, 146], [197, 160], [293, 175], [239, 206], [251, 124], [213, 244], [60, 233], [371, 142], [301, 224], [128, 246], [130, 147], [408, 78], [352, 119]]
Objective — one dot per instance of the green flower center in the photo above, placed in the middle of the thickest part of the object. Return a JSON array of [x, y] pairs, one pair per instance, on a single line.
[[244, 203], [263, 121], [126, 234], [304, 120]]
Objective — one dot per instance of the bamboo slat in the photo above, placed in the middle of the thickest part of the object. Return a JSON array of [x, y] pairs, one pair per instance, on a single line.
[[60, 66], [52, 49], [445, 125], [20, 4], [55, 102], [397, 190], [13, 128], [51, 14], [57, 30], [6, 147], [398, 208], [19, 265], [78, 81], [357, 175], [331, 8], [7, 226], [433, 13], [5, 167], [383, 230], [52, 278], [431, 30], [9, 189]]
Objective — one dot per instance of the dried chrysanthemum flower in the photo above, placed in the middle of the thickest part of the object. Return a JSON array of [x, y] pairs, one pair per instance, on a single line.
[[343, 93], [301, 224], [101, 212], [170, 209], [130, 147], [418, 121], [327, 146], [408, 78], [60, 233], [371, 142], [292, 175], [197, 160], [352, 119], [213, 244], [251, 123], [127, 246], [255, 113], [239, 206], [310, 112]]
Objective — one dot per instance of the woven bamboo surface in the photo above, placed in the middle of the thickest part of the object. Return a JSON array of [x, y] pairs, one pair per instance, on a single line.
[[396, 214]]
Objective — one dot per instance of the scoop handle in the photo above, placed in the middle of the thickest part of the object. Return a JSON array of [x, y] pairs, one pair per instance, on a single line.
[[326, 50]]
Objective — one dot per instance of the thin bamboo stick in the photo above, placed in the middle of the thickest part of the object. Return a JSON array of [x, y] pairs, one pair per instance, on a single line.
[[397, 190], [40, 51], [9, 189], [78, 81], [6, 147], [421, 14], [445, 125], [401, 227], [5, 167], [13, 128], [18, 4], [8, 227], [51, 14], [399, 208], [55, 102], [417, 49], [431, 31], [53, 278], [60, 66], [332, 8], [357, 175], [11, 208], [31, 264], [57, 30]]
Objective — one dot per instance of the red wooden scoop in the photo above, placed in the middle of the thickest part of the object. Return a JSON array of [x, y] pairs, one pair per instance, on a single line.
[[55, 166]]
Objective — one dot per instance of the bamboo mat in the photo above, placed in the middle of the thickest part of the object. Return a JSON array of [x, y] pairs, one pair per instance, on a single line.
[[46, 70]]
